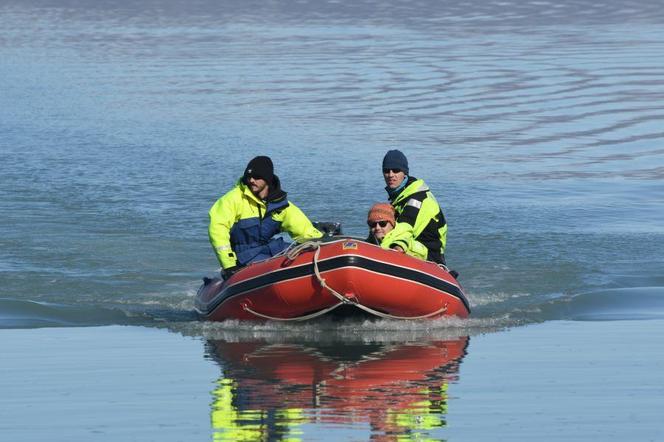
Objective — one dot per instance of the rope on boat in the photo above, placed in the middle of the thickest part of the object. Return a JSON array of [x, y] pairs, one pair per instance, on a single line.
[[298, 318], [293, 252], [389, 316]]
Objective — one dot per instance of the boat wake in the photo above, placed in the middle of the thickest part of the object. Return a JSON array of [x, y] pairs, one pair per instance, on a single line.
[[632, 303], [16, 313], [491, 312]]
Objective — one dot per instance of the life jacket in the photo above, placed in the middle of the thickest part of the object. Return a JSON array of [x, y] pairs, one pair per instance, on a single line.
[[417, 206], [252, 239]]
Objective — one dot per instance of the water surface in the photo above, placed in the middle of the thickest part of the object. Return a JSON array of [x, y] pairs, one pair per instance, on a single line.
[[537, 125]]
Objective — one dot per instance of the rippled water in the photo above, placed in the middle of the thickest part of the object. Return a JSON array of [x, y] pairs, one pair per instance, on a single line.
[[538, 125]]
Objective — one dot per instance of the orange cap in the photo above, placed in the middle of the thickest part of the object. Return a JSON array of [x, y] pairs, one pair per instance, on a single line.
[[381, 212]]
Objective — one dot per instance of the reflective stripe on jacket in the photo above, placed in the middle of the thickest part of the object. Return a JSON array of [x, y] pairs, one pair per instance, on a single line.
[[242, 227], [419, 216]]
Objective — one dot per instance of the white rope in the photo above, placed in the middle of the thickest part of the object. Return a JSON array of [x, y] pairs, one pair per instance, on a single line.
[[295, 251], [298, 318], [388, 316], [443, 266]]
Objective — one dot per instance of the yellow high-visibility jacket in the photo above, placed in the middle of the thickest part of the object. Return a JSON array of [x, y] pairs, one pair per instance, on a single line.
[[242, 227], [419, 216], [403, 239]]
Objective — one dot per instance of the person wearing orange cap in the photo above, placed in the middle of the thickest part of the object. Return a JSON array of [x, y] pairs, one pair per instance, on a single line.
[[381, 221]]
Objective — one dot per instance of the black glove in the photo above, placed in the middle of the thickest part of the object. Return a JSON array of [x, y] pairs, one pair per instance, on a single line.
[[227, 273]]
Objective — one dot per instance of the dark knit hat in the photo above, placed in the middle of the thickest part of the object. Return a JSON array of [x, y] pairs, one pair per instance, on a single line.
[[381, 212], [395, 159], [259, 167]]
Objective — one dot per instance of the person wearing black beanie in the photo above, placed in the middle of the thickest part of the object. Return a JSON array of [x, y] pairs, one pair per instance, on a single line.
[[259, 176], [259, 167], [244, 222], [417, 211]]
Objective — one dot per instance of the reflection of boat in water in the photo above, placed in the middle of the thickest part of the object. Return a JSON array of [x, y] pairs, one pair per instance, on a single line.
[[268, 391], [343, 275]]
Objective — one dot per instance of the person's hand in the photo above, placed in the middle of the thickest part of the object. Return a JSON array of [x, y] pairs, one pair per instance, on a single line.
[[227, 273], [398, 249]]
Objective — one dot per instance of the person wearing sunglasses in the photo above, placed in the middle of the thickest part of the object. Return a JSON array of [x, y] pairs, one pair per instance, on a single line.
[[418, 214], [244, 222], [380, 220]]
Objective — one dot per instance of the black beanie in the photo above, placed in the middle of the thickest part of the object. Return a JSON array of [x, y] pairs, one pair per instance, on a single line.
[[395, 159], [260, 167]]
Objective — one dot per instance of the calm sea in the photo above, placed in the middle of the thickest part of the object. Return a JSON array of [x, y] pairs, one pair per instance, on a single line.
[[538, 125]]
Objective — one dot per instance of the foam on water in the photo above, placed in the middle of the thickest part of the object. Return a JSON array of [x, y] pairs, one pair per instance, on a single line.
[[496, 312]]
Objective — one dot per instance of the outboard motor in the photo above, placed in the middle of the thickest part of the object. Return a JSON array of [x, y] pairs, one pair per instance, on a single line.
[[329, 229]]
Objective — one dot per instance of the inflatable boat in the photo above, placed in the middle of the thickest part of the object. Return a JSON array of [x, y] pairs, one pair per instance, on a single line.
[[340, 276]]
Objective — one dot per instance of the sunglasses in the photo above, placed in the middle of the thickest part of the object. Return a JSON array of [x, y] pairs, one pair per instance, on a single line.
[[386, 171], [377, 223]]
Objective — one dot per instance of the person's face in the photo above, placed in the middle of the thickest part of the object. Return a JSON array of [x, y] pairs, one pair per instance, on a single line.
[[258, 186], [379, 229], [393, 177]]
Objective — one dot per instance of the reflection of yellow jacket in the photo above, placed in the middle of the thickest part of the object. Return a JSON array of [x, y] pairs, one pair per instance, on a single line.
[[234, 424], [242, 226]]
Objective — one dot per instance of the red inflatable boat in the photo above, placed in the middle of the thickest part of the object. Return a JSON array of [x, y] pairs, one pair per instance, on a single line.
[[341, 277]]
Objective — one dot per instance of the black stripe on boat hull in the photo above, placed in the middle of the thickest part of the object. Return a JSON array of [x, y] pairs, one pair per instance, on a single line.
[[333, 264]]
